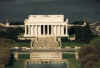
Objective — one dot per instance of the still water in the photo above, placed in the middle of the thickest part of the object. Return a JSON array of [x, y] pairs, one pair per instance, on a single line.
[[46, 66]]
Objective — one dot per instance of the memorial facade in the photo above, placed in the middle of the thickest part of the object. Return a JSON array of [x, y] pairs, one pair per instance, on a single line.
[[45, 25], [44, 31]]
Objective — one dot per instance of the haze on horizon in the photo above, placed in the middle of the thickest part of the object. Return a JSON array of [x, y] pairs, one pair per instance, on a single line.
[[17, 10]]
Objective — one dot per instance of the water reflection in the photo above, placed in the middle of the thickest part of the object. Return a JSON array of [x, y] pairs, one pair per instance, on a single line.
[[46, 66]]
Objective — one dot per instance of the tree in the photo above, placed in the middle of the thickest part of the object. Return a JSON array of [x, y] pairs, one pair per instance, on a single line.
[[89, 55], [5, 45]]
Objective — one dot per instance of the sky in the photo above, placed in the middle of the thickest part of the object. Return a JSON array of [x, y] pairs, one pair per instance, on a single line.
[[18, 10]]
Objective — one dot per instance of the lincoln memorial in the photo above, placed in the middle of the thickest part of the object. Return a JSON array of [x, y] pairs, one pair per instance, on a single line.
[[44, 32], [45, 25]]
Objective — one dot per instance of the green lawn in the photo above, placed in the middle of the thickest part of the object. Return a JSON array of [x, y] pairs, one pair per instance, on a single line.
[[17, 64], [20, 62], [72, 44], [21, 44], [73, 63]]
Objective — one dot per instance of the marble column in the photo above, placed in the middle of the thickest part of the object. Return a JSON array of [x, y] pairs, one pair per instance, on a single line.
[[25, 29], [62, 29], [52, 29], [31, 29], [66, 30], [36, 30], [55, 30], [58, 30], [28, 29], [47, 29], [39, 30], [43, 29]]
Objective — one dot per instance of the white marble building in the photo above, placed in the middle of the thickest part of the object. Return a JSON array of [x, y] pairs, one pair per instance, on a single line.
[[45, 25], [45, 29]]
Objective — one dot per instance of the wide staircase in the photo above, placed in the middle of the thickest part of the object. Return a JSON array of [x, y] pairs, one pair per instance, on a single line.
[[46, 42], [43, 51]]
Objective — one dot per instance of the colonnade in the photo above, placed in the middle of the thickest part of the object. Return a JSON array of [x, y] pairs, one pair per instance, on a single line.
[[43, 30]]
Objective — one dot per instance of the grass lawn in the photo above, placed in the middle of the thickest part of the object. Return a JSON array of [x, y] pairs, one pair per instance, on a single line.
[[72, 44], [73, 63], [22, 44], [17, 64]]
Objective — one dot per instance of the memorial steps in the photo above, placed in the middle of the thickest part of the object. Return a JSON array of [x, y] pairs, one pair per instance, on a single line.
[[47, 42]]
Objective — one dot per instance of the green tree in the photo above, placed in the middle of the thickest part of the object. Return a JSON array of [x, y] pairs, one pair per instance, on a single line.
[[89, 55], [5, 45]]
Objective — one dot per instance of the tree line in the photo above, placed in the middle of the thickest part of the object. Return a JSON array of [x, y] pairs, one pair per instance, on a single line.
[[89, 56], [5, 54]]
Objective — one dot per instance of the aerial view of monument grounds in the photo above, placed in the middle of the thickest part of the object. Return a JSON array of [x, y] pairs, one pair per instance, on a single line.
[[49, 34]]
